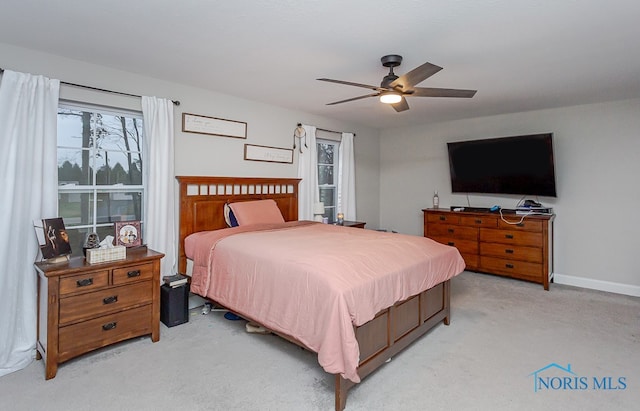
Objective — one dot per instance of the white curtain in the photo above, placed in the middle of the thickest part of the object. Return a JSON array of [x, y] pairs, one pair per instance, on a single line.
[[347, 178], [160, 216], [308, 193], [29, 191]]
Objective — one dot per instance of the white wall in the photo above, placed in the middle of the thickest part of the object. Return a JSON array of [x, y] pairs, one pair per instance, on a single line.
[[597, 155], [201, 154]]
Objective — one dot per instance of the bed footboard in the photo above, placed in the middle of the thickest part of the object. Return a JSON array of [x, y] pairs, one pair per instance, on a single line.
[[393, 329]]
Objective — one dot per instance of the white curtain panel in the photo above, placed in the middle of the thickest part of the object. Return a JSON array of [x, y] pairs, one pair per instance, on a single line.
[[29, 191], [347, 178], [308, 193], [160, 215]]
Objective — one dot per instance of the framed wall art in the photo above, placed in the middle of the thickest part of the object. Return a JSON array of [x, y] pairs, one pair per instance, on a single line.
[[128, 233], [269, 154], [194, 123]]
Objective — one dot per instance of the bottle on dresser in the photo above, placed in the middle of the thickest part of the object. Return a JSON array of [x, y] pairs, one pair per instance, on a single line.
[[436, 200]]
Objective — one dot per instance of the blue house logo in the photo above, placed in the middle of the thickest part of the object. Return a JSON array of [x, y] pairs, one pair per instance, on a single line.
[[556, 377]]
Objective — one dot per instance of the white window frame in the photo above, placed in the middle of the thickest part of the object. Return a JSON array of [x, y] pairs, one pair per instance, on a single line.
[[330, 211], [94, 189]]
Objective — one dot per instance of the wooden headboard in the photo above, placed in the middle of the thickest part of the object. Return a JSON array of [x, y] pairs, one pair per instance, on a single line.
[[202, 201]]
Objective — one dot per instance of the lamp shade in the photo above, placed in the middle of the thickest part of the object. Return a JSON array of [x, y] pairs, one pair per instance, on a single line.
[[318, 208]]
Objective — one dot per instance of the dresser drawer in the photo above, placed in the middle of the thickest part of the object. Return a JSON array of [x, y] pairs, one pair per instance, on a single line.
[[526, 225], [84, 282], [79, 338], [464, 246], [132, 273], [82, 306], [512, 268], [437, 218], [470, 261], [453, 231], [524, 238], [511, 252], [479, 221]]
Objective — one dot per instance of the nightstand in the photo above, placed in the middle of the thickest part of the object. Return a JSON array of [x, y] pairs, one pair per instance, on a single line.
[[83, 307], [354, 224]]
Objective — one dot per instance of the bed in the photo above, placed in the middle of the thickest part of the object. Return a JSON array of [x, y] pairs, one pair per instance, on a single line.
[[363, 315]]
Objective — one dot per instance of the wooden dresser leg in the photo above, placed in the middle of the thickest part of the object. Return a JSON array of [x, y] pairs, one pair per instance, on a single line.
[[51, 369]]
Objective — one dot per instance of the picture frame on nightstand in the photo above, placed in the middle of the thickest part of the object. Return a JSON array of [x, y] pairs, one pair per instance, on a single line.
[[53, 239], [128, 233]]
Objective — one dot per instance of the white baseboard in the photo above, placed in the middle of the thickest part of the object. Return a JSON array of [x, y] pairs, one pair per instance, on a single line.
[[608, 286]]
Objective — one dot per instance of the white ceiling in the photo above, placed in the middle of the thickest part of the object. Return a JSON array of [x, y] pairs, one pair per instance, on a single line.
[[519, 54]]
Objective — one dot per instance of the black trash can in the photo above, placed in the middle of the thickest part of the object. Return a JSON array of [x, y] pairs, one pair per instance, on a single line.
[[174, 304]]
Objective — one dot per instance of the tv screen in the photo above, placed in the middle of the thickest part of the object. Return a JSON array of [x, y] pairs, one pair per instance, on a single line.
[[506, 165]]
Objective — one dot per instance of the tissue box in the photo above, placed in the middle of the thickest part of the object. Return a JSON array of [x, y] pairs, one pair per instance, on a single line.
[[102, 255]]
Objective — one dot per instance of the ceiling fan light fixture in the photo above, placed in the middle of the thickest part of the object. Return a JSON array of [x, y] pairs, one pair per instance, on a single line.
[[390, 98]]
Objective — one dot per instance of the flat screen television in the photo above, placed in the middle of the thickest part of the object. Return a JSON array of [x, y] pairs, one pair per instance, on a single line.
[[505, 165]]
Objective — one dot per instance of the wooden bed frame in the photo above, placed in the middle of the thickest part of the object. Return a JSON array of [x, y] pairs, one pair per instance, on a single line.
[[201, 209]]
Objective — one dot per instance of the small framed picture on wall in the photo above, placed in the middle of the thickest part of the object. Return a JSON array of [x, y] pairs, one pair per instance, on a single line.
[[128, 233]]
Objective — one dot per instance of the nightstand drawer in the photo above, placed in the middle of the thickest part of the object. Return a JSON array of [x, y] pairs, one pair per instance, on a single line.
[[86, 336], [132, 273], [83, 306], [84, 282]]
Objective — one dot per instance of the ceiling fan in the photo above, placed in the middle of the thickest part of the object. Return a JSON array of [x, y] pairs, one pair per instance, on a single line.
[[394, 89]]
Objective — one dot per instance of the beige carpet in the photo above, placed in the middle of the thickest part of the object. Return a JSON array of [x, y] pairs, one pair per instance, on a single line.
[[501, 332]]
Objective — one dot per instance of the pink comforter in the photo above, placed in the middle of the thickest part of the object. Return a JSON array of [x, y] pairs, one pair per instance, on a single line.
[[314, 281]]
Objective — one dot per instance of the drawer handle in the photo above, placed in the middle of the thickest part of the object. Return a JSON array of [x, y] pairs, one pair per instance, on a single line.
[[442, 218], [132, 274], [509, 236], [451, 243], [508, 251], [520, 224], [84, 282], [451, 230], [509, 265], [110, 300], [109, 326], [478, 221]]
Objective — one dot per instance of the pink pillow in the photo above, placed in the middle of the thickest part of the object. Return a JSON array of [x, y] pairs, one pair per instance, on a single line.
[[257, 212]]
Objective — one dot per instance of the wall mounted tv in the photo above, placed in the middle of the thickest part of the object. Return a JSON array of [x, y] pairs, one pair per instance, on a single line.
[[506, 165]]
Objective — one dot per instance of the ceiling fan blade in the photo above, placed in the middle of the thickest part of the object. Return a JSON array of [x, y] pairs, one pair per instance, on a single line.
[[348, 83], [401, 106], [415, 76], [352, 99], [442, 92]]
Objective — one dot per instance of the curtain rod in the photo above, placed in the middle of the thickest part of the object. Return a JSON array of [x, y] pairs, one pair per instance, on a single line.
[[331, 131], [176, 102]]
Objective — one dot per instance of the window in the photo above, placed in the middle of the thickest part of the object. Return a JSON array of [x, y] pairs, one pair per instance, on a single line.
[[100, 179], [327, 176]]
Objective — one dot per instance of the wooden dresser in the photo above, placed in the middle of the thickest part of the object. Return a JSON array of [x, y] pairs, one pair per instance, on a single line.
[[492, 245], [83, 307]]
